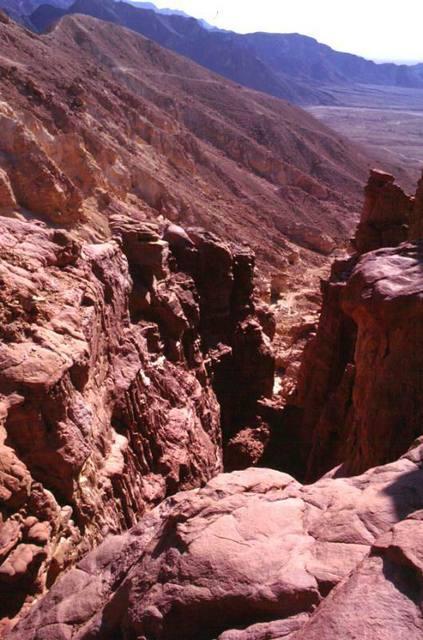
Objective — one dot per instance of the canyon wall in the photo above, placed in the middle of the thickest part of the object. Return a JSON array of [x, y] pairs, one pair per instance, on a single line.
[[254, 554], [136, 361], [109, 357], [360, 386]]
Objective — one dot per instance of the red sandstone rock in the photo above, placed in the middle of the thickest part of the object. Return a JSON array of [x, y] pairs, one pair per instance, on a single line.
[[246, 448], [275, 630], [360, 404], [360, 387], [108, 398], [254, 551], [313, 238], [386, 215], [7, 197], [382, 598], [72, 366], [231, 326], [416, 218], [114, 358], [106, 385]]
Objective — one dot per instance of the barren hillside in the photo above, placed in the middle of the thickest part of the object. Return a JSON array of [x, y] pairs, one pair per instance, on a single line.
[[117, 122]]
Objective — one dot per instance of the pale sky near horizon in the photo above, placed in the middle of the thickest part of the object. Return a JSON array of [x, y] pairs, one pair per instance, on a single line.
[[376, 29]]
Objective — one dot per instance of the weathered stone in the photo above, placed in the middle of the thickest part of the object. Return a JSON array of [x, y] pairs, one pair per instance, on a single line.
[[312, 238], [416, 218], [359, 403], [108, 428], [7, 197], [246, 448], [107, 412], [255, 551], [382, 597], [386, 214]]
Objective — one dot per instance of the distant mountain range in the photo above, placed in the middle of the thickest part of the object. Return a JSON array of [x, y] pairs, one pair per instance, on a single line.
[[168, 12], [290, 66], [22, 9]]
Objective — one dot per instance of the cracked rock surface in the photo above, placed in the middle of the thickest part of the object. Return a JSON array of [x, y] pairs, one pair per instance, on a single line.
[[107, 403], [250, 549]]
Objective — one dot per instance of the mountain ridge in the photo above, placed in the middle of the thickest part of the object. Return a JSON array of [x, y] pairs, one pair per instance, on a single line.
[[251, 152], [290, 66]]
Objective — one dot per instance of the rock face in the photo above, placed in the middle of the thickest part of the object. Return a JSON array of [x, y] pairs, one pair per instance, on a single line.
[[107, 401], [122, 367], [386, 214], [258, 552], [360, 386], [389, 216], [387, 586], [416, 218], [135, 358]]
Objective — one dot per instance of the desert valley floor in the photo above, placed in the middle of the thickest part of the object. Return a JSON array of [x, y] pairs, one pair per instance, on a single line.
[[387, 120]]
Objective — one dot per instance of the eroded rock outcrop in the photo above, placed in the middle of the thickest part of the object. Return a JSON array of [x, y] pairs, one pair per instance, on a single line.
[[116, 362], [386, 214], [235, 330], [107, 400], [254, 551], [360, 387], [416, 219], [389, 215]]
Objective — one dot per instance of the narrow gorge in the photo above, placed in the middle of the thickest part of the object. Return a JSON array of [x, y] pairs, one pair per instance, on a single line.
[[184, 452]]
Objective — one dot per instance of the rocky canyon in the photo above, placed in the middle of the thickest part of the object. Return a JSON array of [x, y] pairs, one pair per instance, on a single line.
[[196, 443]]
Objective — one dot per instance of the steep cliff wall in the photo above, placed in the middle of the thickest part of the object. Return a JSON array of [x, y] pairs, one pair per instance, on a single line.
[[116, 361], [360, 385], [107, 369]]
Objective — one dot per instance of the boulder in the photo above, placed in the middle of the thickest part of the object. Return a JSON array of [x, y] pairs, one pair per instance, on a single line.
[[250, 556], [311, 237]]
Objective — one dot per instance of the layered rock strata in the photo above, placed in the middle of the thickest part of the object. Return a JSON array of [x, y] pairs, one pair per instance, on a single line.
[[106, 382], [253, 555], [93, 115]]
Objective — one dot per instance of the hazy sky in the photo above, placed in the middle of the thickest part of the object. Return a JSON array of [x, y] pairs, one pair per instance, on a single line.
[[377, 29]]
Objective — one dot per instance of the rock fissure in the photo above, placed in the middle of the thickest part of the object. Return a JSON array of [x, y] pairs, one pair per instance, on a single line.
[[136, 362]]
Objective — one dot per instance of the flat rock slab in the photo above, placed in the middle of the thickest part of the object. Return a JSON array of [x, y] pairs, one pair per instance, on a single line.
[[253, 550]]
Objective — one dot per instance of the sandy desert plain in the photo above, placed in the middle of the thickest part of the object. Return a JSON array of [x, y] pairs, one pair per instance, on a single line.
[[389, 120]]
